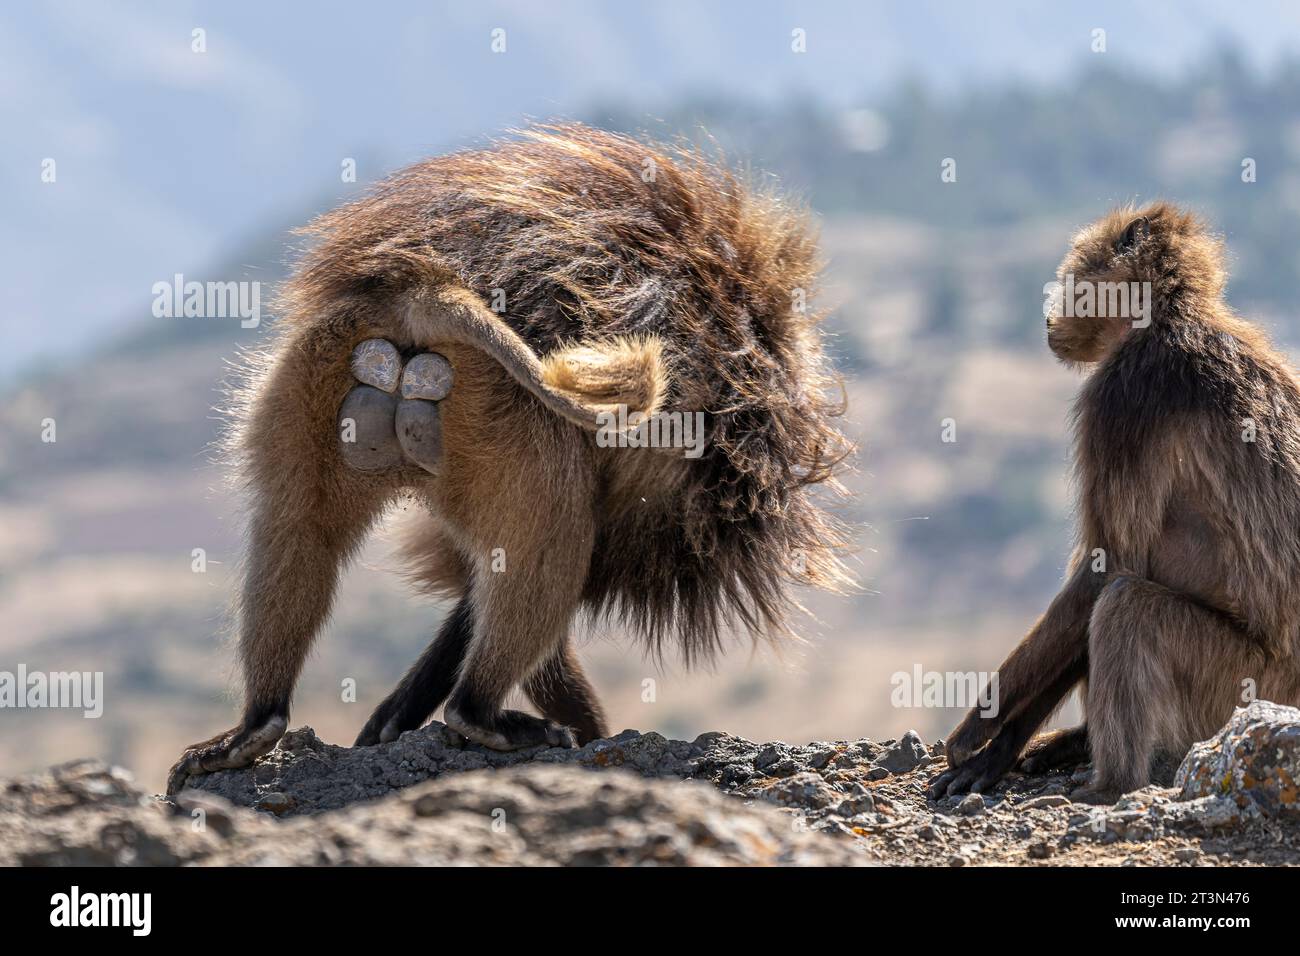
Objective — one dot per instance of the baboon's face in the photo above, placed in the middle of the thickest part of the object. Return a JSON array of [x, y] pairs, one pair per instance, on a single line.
[[1125, 271], [1101, 293]]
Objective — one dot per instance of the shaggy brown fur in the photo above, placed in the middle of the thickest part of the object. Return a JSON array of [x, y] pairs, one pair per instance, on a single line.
[[624, 274], [1187, 457]]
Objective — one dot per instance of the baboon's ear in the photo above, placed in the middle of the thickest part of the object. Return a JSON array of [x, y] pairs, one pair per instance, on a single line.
[[1135, 232]]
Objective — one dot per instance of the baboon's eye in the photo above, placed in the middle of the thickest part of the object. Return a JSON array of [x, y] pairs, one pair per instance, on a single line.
[[1135, 232]]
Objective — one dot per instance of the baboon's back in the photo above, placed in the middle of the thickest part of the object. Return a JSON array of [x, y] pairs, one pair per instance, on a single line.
[[573, 234]]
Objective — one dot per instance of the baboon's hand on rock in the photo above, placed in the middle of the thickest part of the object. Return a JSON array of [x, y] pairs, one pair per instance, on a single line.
[[980, 771], [228, 750], [971, 734]]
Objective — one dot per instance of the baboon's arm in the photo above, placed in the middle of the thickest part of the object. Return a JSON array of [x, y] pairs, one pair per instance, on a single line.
[[1031, 683]]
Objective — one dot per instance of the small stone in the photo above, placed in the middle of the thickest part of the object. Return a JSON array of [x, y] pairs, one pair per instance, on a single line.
[[868, 748], [1187, 854], [419, 432], [769, 755], [733, 775], [863, 803], [1040, 850], [928, 832], [877, 773], [427, 376], [1044, 802], [956, 859], [821, 758], [972, 805], [376, 362], [904, 754], [275, 802], [367, 434]]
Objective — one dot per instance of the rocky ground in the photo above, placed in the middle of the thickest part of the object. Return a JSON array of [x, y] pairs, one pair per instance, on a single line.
[[430, 797]]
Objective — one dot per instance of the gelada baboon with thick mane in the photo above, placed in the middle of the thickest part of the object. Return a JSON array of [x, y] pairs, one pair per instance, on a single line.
[[481, 333], [1181, 599]]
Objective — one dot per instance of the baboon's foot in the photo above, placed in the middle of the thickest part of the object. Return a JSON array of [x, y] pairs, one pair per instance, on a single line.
[[378, 430], [980, 772], [228, 750], [1096, 795], [1056, 750], [388, 722], [510, 730]]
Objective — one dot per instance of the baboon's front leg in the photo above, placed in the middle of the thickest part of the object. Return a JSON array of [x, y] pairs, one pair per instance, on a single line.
[[561, 691], [310, 512], [989, 765], [1031, 683], [428, 682]]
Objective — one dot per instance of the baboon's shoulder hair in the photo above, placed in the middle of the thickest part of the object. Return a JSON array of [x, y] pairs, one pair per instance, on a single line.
[[576, 236]]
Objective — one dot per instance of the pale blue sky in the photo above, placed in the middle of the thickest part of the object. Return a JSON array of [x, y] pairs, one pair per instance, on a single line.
[[168, 160]]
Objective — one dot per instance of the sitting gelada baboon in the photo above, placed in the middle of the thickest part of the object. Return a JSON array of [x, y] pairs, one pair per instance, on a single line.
[[1181, 599], [595, 365]]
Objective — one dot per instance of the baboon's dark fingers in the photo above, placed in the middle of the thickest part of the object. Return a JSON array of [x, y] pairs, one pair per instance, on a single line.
[[426, 685], [982, 771], [508, 729], [939, 784], [228, 750], [1056, 749], [970, 735]]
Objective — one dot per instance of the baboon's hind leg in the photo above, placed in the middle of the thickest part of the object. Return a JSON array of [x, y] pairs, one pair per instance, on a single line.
[[519, 624], [1164, 671], [1056, 749], [561, 691], [428, 682], [310, 513]]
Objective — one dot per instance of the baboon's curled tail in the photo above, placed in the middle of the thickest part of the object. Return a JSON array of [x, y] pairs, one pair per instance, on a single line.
[[578, 382]]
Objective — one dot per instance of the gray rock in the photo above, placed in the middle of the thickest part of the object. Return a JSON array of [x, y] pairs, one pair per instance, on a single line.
[[1044, 802], [971, 805], [1040, 850], [517, 816], [376, 362], [904, 755], [1254, 761], [368, 416], [820, 758], [427, 376], [806, 791]]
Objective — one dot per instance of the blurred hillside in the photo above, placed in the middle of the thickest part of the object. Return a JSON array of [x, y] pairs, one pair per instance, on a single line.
[[936, 292]]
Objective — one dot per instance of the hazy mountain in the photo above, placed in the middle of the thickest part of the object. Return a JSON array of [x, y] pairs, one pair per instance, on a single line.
[[167, 159]]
